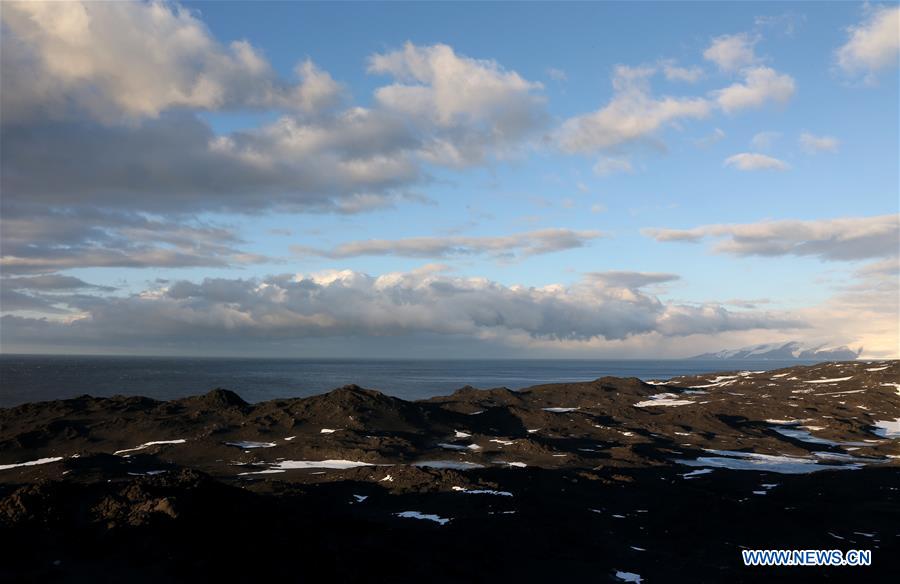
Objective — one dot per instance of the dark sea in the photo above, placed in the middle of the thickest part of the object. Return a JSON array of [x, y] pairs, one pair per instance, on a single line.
[[29, 378]]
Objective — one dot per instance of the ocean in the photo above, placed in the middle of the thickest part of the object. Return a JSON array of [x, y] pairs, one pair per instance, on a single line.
[[30, 378]]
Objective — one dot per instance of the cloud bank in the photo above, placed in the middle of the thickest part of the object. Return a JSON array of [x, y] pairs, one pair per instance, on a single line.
[[844, 239]]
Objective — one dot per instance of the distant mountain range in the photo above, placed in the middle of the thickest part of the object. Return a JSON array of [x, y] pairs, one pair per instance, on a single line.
[[785, 351]]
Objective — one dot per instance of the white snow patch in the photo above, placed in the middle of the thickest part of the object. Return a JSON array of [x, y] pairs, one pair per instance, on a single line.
[[698, 472], [628, 577], [360, 498], [894, 385], [663, 399], [330, 463], [31, 462], [459, 446], [289, 438], [503, 442], [459, 434], [249, 444], [387, 478], [833, 380], [842, 392], [736, 460], [888, 428], [805, 436], [327, 431], [450, 464], [483, 492], [559, 410], [426, 516], [149, 444]]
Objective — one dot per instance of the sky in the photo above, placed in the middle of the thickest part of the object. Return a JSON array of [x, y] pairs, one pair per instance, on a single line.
[[566, 180]]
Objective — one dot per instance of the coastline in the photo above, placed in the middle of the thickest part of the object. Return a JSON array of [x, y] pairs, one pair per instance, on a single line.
[[588, 478]]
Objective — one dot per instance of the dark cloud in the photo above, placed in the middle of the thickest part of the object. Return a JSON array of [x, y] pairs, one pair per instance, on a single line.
[[525, 244], [843, 239], [396, 305]]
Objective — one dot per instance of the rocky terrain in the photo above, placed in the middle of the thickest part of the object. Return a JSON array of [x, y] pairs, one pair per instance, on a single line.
[[613, 480]]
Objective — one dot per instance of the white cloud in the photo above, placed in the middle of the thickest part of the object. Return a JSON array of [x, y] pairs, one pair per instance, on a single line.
[[731, 52], [686, 74], [843, 239], [525, 244], [632, 114], [717, 135], [764, 140], [755, 161], [121, 60], [557, 74], [108, 95], [873, 44], [813, 144], [760, 85], [476, 103], [608, 165]]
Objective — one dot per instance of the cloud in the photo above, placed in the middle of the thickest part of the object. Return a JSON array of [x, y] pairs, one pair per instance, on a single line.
[[525, 244], [732, 52], [755, 161], [470, 104], [673, 72], [843, 239], [813, 144], [404, 305], [50, 282], [872, 44], [607, 165], [14, 301], [630, 280], [557, 74], [47, 241], [717, 135], [760, 85], [764, 140], [632, 114], [128, 60], [108, 95]]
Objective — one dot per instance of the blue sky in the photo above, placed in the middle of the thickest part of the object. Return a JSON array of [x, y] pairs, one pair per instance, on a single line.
[[804, 163]]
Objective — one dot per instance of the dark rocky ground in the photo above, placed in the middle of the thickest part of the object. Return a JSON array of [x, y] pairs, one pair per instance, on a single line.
[[558, 482]]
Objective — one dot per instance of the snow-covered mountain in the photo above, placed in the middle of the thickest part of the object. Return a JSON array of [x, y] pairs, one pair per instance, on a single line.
[[786, 350]]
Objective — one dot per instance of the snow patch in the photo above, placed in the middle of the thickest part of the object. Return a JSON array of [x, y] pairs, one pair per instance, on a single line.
[[250, 444], [149, 444], [663, 399], [833, 380], [448, 464], [888, 428], [31, 462], [425, 516]]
